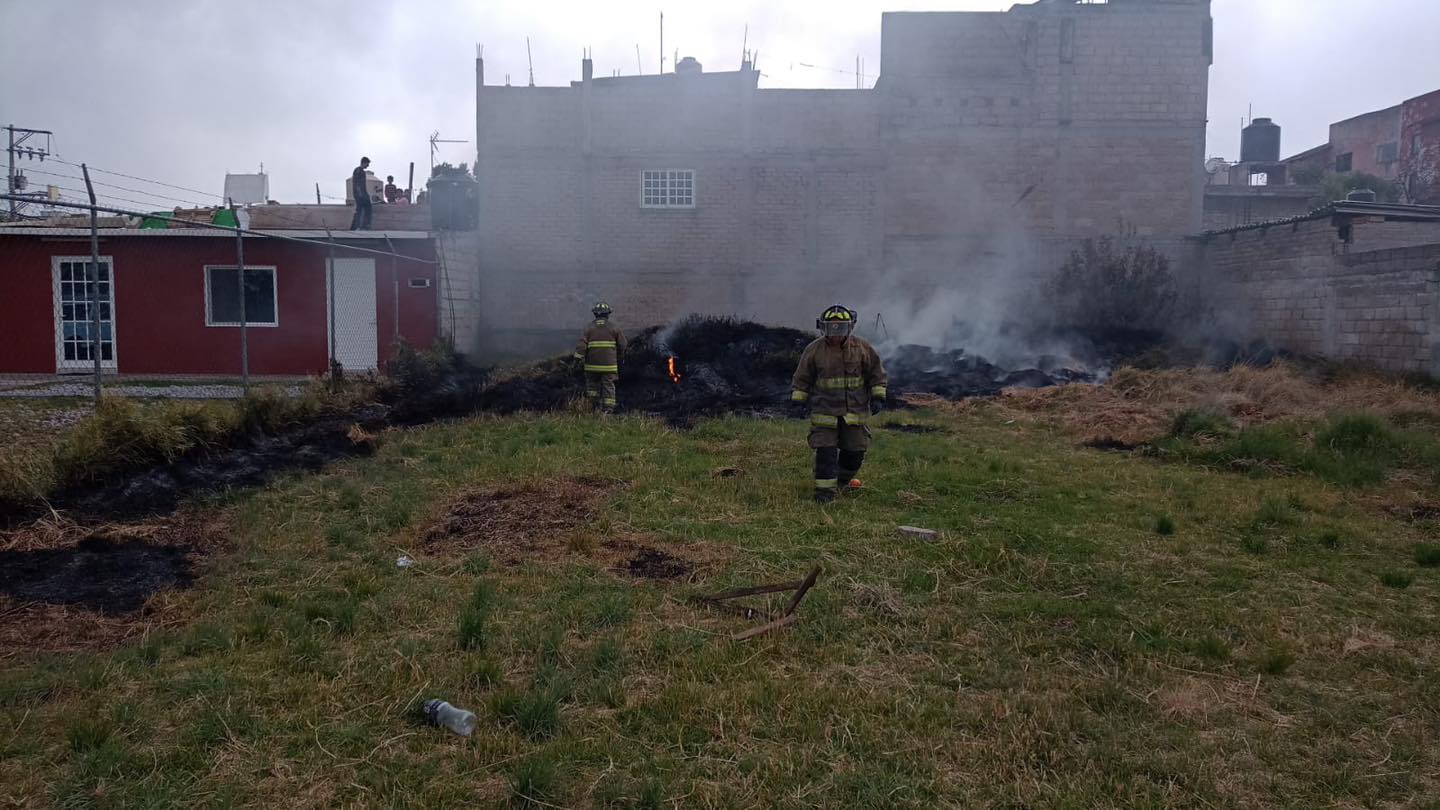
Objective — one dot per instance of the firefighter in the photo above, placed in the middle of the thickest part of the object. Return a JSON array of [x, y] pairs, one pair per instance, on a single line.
[[841, 381], [600, 348]]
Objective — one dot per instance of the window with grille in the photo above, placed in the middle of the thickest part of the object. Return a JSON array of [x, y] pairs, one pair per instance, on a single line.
[[667, 188], [79, 302], [222, 296], [1345, 162], [1387, 152]]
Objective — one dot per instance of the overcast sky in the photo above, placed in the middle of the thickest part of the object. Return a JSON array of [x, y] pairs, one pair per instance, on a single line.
[[182, 92]]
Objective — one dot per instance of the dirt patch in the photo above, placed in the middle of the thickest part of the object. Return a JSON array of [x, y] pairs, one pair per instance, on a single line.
[[72, 586], [652, 563], [920, 429], [1418, 512], [1111, 444], [517, 523], [552, 520]]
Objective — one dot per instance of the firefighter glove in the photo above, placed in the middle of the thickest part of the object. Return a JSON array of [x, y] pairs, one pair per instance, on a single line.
[[877, 404], [799, 410]]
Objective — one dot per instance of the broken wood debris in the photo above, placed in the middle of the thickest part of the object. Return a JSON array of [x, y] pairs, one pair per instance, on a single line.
[[722, 599], [917, 532]]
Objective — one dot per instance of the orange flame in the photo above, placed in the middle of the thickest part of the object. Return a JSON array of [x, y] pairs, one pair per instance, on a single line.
[[672, 371]]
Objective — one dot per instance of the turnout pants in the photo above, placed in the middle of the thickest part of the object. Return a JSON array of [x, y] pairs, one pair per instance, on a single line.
[[600, 390], [839, 452]]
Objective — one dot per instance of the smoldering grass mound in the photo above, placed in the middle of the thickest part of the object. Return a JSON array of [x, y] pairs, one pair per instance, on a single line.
[[725, 365]]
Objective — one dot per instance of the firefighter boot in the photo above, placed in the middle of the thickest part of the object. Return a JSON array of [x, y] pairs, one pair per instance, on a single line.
[[826, 460], [848, 465]]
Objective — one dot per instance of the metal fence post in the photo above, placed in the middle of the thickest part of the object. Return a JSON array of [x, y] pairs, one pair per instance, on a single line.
[[330, 285], [244, 316], [92, 280], [395, 285]]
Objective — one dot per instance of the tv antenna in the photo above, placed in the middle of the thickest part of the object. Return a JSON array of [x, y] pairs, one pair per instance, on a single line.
[[436, 139], [530, 61]]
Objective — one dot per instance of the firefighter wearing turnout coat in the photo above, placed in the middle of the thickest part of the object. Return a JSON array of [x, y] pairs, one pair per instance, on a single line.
[[600, 348], [841, 381]]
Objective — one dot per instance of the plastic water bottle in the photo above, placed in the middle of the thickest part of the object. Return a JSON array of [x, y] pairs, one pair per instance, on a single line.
[[457, 720]]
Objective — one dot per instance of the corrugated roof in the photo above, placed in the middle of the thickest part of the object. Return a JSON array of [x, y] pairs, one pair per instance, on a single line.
[[1399, 212]]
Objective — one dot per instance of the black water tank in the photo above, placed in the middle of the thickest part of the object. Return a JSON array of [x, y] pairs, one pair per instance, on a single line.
[[454, 203], [1260, 142], [1361, 195]]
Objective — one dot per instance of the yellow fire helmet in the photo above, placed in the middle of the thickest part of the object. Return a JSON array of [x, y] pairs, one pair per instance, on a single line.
[[837, 321]]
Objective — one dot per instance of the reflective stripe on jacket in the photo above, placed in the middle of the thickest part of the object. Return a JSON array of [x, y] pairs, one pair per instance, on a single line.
[[600, 347], [838, 381]]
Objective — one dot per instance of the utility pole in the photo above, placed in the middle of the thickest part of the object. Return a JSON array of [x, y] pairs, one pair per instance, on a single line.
[[16, 147]]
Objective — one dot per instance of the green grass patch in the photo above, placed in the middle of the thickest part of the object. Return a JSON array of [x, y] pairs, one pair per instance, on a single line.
[[1353, 449], [1046, 651]]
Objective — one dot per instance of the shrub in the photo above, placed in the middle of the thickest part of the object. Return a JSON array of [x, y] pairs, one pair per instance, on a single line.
[[1164, 525], [1105, 286], [412, 371]]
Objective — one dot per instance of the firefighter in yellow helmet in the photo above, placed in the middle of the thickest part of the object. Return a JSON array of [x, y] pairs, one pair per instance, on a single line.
[[841, 381], [600, 348]]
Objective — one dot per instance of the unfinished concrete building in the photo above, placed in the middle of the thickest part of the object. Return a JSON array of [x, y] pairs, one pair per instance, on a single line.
[[991, 143]]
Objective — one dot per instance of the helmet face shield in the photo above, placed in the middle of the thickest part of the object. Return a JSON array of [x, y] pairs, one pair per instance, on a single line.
[[837, 321]]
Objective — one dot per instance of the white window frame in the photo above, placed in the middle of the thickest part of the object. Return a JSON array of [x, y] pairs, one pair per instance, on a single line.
[[61, 364], [668, 195], [274, 295]]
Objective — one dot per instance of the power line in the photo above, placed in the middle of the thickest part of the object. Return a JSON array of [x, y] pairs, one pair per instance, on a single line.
[[146, 180], [121, 188]]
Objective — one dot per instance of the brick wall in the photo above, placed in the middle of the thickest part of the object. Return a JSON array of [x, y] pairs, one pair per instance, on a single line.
[[990, 141], [1302, 287]]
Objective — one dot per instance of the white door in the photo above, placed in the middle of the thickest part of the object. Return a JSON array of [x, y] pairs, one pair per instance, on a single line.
[[74, 320], [356, 345]]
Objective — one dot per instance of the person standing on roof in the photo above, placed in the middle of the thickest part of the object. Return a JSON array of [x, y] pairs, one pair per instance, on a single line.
[[600, 348], [392, 192], [360, 188], [841, 382]]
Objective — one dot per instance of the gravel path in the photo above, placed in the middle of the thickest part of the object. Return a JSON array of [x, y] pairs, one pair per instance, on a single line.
[[80, 389]]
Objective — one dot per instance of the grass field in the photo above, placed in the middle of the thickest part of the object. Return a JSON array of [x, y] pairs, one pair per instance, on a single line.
[[1091, 629]]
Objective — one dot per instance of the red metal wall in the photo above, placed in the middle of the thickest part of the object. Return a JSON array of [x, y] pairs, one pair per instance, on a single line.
[[160, 304]]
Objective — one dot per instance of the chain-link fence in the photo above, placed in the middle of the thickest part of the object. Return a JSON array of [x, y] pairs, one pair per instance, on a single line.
[[198, 304]]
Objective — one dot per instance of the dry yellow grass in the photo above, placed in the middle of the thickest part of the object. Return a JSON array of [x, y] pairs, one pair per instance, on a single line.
[[1135, 405]]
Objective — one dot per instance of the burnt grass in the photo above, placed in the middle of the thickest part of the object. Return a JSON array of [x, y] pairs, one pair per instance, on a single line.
[[107, 575], [725, 365]]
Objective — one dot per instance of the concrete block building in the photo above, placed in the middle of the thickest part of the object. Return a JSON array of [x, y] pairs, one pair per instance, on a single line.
[[991, 143]]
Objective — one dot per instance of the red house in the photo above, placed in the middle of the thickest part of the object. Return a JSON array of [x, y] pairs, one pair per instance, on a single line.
[[169, 300]]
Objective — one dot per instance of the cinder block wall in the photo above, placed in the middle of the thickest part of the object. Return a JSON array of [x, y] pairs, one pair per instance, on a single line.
[[991, 141], [1302, 287]]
